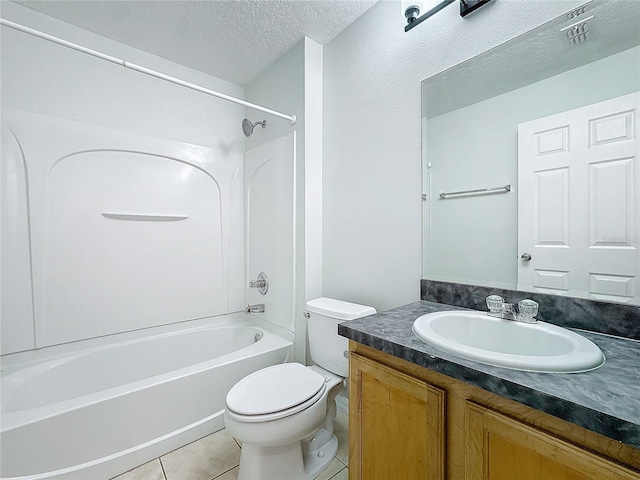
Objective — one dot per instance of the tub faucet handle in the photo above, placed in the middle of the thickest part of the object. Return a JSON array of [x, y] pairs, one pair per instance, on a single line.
[[261, 283]]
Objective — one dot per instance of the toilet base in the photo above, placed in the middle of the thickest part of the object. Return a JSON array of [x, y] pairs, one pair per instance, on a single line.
[[297, 461], [316, 461]]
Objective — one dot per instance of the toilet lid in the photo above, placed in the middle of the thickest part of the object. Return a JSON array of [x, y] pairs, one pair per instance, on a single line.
[[273, 389]]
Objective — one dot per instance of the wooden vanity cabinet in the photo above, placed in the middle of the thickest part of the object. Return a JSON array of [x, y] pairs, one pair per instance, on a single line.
[[397, 423], [408, 422], [501, 448]]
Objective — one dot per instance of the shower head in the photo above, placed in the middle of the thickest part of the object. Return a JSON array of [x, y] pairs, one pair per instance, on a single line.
[[247, 126]]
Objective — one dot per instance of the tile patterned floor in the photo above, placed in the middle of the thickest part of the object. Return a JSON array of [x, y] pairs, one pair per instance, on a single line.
[[217, 457]]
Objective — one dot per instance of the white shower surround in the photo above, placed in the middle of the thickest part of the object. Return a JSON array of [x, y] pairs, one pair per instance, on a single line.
[[91, 274]]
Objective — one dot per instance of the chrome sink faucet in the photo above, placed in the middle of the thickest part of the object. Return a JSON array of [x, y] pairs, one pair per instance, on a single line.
[[507, 311]]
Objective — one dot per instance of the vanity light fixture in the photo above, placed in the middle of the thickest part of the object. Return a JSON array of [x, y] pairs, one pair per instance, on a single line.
[[417, 11], [468, 6]]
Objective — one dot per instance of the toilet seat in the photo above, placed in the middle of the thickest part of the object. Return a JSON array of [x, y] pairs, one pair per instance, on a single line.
[[267, 417], [275, 392]]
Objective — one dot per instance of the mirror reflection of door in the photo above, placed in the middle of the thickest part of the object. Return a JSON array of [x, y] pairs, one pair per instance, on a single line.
[[579, 202]]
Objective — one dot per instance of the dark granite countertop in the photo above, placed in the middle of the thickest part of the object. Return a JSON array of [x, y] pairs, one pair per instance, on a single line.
[[606, 400]]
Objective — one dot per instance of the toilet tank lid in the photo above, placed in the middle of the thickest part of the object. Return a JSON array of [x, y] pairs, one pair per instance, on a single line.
[[338, 309]]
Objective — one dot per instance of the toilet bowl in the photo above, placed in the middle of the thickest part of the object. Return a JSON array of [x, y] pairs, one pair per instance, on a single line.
[[276, 439], [284, 414]]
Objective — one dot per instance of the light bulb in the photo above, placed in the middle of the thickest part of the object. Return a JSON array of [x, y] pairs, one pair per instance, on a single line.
[[412, 9]]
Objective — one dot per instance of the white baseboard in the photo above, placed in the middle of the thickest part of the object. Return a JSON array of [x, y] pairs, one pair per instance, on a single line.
[[343, 403]]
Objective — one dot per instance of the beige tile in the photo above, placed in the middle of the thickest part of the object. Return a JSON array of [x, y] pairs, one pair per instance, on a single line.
[[148, 471], [331, 470], [230, 475], [341, 429], [202, 460], [341, 475]]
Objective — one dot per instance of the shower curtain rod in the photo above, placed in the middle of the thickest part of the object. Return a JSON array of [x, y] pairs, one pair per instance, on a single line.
[[141, 69]]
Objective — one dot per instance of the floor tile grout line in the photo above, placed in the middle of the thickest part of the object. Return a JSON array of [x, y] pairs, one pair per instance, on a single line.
[[338, 473], [224, 473], [196, 440], [164, 474]]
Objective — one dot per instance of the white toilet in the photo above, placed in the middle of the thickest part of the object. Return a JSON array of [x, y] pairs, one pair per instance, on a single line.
[[284, 414]]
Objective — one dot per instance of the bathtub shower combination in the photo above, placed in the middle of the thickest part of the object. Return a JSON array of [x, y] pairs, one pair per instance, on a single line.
[[128, 263]]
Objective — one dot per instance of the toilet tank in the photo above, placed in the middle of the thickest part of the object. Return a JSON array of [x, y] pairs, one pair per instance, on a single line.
[[327, 348]]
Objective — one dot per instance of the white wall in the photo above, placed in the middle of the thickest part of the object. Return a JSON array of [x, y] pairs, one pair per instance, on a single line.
[[313, 169], [372, 241], [42, 77]]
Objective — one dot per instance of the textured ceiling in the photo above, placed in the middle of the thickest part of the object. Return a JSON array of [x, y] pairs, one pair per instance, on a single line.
[[235, 40], [536, 55]]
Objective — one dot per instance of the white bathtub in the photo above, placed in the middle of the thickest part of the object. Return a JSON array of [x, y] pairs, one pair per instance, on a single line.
[[95, 409]]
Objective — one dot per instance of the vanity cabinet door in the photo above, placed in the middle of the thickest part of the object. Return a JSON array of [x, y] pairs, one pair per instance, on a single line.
[[500, 448], [396, 424]]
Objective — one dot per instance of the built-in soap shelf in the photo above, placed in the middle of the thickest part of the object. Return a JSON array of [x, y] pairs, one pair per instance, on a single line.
[[138, 217]]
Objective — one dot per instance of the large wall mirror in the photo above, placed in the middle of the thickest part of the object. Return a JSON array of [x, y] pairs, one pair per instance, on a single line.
[[549, 122]]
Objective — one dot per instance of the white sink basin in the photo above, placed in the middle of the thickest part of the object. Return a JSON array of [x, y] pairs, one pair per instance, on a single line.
[[538, 347]]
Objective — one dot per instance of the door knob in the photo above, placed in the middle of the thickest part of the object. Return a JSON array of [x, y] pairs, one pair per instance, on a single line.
[[525, 257]]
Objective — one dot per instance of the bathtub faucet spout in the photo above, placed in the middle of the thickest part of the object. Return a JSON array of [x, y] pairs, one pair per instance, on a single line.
[[258, 308]]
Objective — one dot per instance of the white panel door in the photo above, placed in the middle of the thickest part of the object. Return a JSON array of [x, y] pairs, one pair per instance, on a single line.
[[579, 202]]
